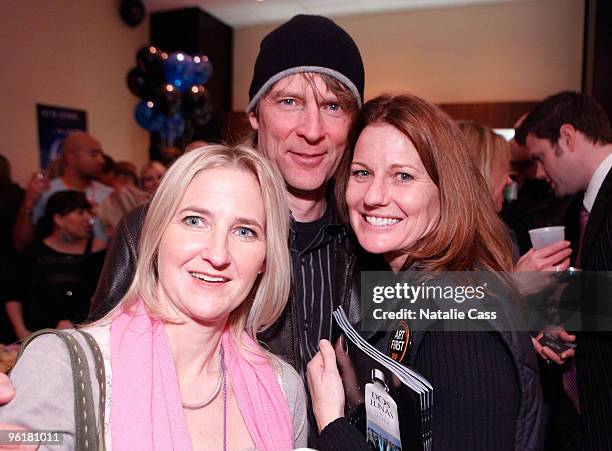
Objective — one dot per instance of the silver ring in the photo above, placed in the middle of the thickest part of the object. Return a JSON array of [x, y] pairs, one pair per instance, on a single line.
[[557, 268]]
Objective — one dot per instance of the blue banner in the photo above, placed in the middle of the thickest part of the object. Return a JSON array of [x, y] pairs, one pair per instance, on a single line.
[[54, 123]]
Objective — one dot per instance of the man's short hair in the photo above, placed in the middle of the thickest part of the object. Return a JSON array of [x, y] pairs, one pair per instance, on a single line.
[[577, 109]]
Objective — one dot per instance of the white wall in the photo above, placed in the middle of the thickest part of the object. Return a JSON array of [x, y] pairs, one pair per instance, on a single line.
[[70, 53], [513, 51]]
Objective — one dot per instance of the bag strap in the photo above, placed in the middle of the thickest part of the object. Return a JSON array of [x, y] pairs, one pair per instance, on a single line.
[[101, 377], [86, 435]]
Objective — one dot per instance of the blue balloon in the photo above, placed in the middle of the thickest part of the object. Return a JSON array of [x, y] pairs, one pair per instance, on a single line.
[[179, 70], [172, 127], [147, 116], [203, 70]]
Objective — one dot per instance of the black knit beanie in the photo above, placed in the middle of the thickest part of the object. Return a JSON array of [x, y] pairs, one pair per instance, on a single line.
[[307, 44]]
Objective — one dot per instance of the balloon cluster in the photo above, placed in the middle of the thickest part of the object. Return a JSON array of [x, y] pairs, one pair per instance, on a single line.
[[172, 91]]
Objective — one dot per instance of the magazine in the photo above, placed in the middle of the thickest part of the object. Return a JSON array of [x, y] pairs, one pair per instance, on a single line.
[[387, 401]]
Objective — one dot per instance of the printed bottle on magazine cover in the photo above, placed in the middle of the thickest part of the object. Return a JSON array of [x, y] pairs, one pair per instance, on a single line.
[[383, 431]]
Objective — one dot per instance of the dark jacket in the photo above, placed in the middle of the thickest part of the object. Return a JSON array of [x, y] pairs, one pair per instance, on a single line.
[[594, 351], [120, 265], [282, 338], [529, 434]]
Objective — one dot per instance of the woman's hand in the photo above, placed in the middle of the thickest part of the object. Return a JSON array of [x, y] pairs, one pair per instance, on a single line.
[[551, 258], [325, 385], [554, 257]]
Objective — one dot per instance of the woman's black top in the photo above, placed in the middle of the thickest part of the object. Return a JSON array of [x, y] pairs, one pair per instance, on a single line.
[[476, 394], [54, 286]]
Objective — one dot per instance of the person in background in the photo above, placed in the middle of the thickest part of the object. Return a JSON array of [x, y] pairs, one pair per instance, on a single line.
[[55, 169], [11, 198], [570, 137], [23, 230], [107, 176], [182, 362], [195, 144], [491, 153], [151, 175], [83, 161], [59, 272], [125, 174], [118, 174], [119, 203], [536, 205], [412, 195], [169, 154]]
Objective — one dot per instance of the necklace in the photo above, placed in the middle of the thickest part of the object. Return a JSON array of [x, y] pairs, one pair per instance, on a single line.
[[224, 402], [211, 398]]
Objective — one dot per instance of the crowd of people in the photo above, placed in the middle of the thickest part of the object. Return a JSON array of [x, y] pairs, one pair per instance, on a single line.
[[212, 305], [56, 231]]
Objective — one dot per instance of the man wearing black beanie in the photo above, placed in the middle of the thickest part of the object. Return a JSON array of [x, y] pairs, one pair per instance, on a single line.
[[306, 91]]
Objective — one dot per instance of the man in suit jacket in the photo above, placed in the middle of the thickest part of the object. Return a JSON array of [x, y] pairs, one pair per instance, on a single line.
[[570, 137]]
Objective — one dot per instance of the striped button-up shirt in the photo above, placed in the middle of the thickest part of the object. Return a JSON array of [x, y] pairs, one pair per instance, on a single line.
[[313, 247]]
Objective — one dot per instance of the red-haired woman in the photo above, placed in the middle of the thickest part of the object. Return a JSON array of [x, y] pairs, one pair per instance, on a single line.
[[413, 195]]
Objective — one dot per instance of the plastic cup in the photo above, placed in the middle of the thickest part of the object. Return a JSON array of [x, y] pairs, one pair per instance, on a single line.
[[546, 235]]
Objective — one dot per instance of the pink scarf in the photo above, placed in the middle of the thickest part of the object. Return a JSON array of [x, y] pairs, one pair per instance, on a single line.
[[146, 411]]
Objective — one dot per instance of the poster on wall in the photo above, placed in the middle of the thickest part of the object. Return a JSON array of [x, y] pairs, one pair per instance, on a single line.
[[54, 123]]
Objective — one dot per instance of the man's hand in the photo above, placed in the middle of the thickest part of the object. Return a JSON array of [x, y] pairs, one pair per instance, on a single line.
[[548, 354], [325, 386]]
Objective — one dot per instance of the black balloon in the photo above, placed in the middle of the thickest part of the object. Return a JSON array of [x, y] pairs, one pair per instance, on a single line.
[[139, 84], [132, 12], [169, 100], [150, 61], [195, 98], [201, 115]]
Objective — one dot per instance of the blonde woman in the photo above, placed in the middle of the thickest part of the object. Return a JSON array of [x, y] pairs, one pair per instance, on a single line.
[[151, 175], [183, 367]]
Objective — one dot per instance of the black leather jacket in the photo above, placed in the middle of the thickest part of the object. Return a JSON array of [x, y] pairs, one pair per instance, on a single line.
[[281, 338], [119, 265]]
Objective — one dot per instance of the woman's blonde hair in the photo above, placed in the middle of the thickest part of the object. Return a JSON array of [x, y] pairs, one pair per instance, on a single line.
[[490, 151], [270, 292]]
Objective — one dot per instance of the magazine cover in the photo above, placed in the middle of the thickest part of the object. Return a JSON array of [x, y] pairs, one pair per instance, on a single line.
[[388, 402]]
